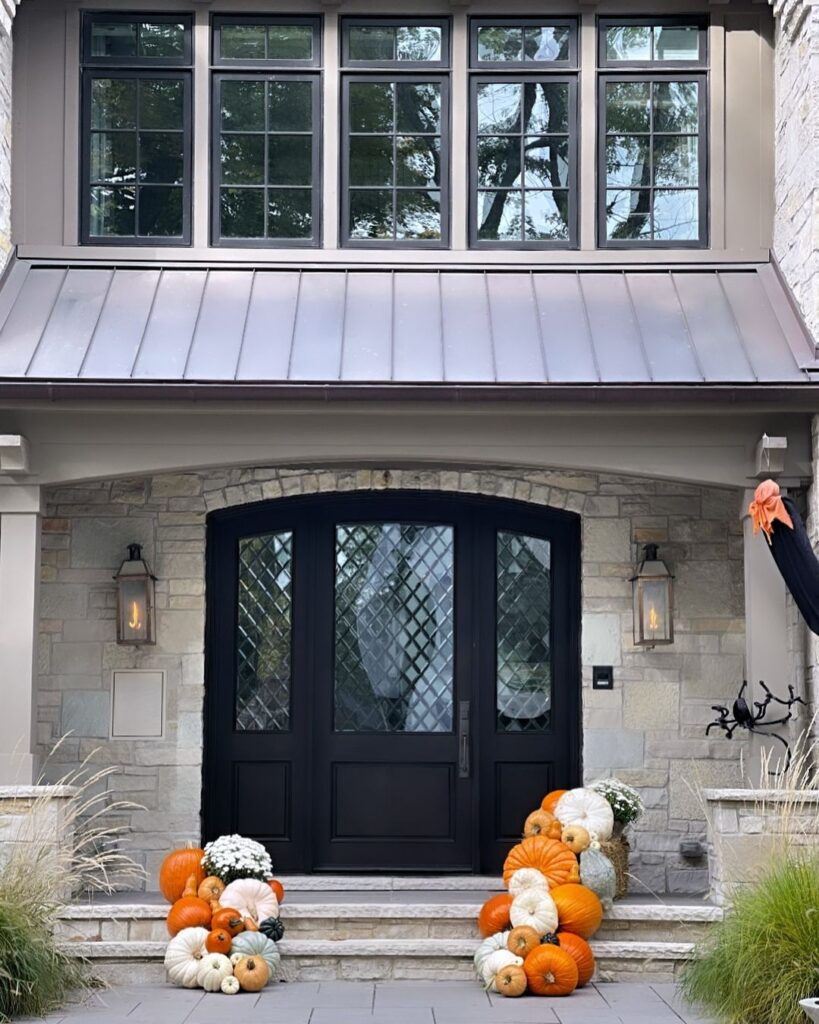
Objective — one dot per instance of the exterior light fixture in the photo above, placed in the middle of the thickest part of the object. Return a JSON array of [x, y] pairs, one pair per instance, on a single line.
[[135, 599], [652, 591]]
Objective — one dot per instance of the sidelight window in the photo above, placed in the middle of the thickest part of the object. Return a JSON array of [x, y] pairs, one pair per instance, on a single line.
[[266, 173], [136, 167], [523, 137], [653, 157], [395, 170]]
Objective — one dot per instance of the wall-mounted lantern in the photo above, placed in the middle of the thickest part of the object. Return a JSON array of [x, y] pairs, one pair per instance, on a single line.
[[135, 599], [653, 596]]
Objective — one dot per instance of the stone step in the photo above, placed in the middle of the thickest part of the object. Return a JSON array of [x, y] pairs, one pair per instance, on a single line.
[[373, 940]]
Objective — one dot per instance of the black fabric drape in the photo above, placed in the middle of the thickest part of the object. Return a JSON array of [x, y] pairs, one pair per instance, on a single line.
[[798, 564]]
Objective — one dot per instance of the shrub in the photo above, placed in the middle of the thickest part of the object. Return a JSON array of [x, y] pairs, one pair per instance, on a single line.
[[764, 956]]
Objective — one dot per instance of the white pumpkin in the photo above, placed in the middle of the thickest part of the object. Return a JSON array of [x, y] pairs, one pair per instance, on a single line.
[[184, 956], [489, 945], [230, 985], [251, 898], [587, 808], [527, 878], [212, 972], [235, 958], [496, 962], [536, 909]]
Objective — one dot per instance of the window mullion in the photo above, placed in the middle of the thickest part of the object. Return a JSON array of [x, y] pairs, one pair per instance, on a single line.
[[331, 132], [200, 145], [459, 144]]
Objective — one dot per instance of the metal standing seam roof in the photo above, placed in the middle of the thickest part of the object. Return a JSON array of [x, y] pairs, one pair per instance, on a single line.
[[169, 325]]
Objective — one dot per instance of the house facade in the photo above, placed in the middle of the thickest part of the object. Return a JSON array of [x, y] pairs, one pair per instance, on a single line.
[[392, 341]]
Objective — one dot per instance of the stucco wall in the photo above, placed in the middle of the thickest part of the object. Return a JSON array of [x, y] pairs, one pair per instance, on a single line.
[[796, 227], [649, 730]]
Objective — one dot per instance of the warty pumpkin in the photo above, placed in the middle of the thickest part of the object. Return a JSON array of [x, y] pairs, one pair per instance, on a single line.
[[551, 857], [188, 912], [511, 981], [494, 914], [228, 918], [549, 802], [538, 823], [522, 940], [581, 951], [550, 971], [536, 909], [176, 869], [578, 909], [252, 973]]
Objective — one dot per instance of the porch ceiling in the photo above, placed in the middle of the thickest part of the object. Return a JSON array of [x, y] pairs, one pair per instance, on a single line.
[[102, 327]]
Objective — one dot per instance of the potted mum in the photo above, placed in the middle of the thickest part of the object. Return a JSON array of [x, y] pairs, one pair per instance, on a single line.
[[627, 807]]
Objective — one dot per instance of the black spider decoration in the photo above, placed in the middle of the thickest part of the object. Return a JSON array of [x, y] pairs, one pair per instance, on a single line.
[[744, 718]]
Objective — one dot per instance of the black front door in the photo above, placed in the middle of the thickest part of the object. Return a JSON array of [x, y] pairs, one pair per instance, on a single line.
[[392, 680]]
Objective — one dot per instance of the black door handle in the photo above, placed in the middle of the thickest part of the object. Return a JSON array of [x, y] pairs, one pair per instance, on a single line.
[[464, 739]]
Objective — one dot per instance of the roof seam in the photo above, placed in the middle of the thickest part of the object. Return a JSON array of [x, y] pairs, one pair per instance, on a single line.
[[36, 349], [192, 343], [248, 305], [296, 307], [737, 331], [639, 329], [138, 352], [694, 351], [490, 327], [587, 322], [539, 327], [90, 344]]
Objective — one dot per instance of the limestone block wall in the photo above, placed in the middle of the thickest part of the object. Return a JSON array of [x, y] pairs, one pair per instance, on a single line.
[[5, 133], [796, 227], [649, 730]]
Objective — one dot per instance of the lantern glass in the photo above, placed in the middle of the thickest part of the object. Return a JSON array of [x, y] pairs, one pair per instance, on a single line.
[[653, 602], [135, 601]]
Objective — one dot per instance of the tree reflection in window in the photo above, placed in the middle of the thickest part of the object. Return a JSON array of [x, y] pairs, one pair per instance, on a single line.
[[523, 160]]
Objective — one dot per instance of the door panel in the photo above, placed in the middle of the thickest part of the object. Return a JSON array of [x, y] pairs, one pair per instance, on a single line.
[[391, 680]]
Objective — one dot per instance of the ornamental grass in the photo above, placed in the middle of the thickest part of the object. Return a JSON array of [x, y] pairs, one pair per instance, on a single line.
[[39, 877], [764, 956]]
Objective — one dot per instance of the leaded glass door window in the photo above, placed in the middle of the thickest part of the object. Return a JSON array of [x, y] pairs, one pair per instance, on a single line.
[[394, 643]]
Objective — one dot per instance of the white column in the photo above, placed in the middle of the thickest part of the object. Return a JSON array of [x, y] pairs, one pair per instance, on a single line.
[[19, 576]]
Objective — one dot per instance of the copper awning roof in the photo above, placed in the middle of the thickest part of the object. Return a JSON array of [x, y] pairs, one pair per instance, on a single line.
[[354, 329]]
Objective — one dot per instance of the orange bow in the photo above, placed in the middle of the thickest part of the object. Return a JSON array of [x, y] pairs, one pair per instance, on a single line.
[[767, 507]]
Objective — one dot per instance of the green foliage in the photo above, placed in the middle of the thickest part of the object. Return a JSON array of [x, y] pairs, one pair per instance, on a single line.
[[764, 957]]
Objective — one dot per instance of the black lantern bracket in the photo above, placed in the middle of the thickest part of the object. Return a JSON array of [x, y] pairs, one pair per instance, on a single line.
[[740, 716]]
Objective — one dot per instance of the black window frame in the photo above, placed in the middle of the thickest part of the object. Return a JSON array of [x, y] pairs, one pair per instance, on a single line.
[[525, 72], [87, 59], [698, 21], [313, 21], [436, 21], [571, 63], [139, 69], [703, 206], [233, 242]]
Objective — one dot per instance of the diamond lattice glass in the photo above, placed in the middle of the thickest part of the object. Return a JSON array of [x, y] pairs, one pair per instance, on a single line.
[[524, 665], [263, 633], [394, 628]]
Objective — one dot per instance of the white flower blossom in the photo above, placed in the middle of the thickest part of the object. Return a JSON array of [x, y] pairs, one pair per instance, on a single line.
[[234, 856]]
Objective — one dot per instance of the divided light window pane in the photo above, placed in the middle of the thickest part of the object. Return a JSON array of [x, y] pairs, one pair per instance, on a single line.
[[387, 44], [143, 39], [278, 42], [652, 163], [522, 43], [643, 43]]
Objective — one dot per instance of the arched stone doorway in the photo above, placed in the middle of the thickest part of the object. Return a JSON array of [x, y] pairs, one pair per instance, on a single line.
[[392, 679]]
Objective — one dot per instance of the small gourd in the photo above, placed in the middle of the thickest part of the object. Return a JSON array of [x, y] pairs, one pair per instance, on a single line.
[[235, 958], [273, 928], [191, 888], [250, 925], [212, 971], [252, 973], [522, 940], [230, 985], [576, 838], [211, 889], [511, 981]]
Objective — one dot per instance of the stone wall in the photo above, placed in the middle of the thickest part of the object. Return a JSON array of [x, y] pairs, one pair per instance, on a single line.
[[5, 133], [649, 730], [796, 226]]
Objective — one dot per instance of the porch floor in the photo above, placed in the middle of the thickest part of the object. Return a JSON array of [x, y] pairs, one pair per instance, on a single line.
[[393, 1002]]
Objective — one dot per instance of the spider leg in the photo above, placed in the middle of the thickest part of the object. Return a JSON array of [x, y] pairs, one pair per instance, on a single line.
[[779, 721]]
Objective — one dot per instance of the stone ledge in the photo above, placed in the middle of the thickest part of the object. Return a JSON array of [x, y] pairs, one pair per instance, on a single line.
[[37, 792], [381, 883], [663, 912], [755, 796], [642, 950]]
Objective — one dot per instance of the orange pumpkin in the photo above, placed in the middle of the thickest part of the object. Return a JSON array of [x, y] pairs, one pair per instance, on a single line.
[[219, 941], [551, 857], [538, 823], [549, 801], [176, 869], [188, 912], [277, 888], [211, 889], [229, 919], [578, 909], [494, 915], [522, 940], [574, 874], [550, 971], [511, 981], [583, 956]]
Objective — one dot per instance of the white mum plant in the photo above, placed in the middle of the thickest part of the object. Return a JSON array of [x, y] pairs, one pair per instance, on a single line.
[[624, 800], [232, 857]]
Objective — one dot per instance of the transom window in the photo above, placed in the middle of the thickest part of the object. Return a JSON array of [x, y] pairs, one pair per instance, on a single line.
[[266, 171], [136, 168], [395, 165], [523, 137], [653, 157]]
